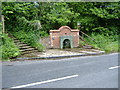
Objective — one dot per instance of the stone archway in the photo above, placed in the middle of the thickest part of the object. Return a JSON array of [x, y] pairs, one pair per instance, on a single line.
[[66, 39]]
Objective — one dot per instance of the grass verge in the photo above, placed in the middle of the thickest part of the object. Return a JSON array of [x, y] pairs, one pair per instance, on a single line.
[[104, 42]]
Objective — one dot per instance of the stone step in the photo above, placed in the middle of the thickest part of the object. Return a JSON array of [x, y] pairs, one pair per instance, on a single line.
[[23, 47], [87, 46], [17, 40], [27, 52], [19, 43], [28, 49]]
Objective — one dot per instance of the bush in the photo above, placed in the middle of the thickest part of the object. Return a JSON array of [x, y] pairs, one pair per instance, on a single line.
[[29, 38], [9, 49]]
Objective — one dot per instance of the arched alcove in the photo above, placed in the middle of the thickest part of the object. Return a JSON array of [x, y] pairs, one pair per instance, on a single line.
[[66, 43], [68, 40]]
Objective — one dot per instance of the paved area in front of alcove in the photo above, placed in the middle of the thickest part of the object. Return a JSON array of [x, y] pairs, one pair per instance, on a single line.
[[63, 52]]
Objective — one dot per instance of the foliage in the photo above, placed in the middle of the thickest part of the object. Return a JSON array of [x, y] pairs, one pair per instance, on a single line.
[[98, 14], [52, 15], [60, 15], [23, 22], [107, 43], [0, 28], [106, 10], [20, 12], [34, 24], [9, 49]]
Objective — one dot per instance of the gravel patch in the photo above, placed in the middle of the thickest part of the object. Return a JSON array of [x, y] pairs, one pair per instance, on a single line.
[[57, 53]]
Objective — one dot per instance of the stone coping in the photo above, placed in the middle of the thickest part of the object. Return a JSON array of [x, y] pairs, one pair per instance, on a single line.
[[72, 30]]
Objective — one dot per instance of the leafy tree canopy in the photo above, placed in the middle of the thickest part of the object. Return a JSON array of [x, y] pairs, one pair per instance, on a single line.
[[42, 16]]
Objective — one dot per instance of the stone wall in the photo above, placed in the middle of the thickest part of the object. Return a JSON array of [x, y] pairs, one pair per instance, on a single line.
[[45, 42]]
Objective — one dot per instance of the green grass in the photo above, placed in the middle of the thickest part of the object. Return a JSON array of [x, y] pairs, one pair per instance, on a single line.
[[8, 48], [112, 47], [106, 43]]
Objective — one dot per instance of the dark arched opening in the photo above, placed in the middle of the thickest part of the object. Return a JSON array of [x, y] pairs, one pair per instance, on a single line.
[[66, 43]]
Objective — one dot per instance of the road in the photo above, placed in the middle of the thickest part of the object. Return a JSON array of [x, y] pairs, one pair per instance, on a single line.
[[77, 72]]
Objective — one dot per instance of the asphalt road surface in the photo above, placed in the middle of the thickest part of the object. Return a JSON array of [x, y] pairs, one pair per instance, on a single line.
[[78, 72]]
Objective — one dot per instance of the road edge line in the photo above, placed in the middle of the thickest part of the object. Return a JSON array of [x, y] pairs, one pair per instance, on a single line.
[[47, 81]]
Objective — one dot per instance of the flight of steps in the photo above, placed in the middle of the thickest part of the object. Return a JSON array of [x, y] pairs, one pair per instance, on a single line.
[[86, 46], [24, 48]]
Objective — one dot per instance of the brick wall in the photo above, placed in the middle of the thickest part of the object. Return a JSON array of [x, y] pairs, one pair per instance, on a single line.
[[63, 31]]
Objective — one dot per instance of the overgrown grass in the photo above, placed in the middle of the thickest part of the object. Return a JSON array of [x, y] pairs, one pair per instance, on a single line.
[[106, 43], [9, 49], [29, 38]]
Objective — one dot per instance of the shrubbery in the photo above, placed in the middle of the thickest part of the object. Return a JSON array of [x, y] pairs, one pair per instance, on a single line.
[[9, 49]]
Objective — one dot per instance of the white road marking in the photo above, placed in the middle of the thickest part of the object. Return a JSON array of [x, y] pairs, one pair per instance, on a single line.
[[42, 82], [114, 67]]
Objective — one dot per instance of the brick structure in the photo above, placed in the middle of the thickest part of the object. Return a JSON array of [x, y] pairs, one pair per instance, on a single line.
[[64, 33]]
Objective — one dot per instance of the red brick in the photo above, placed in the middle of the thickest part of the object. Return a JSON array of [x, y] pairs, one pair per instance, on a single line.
[[63, 31]]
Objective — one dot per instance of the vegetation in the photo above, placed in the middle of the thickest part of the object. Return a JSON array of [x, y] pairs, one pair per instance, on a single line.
[[106, 43], [9, 49], [43, 16], [28, 21]]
